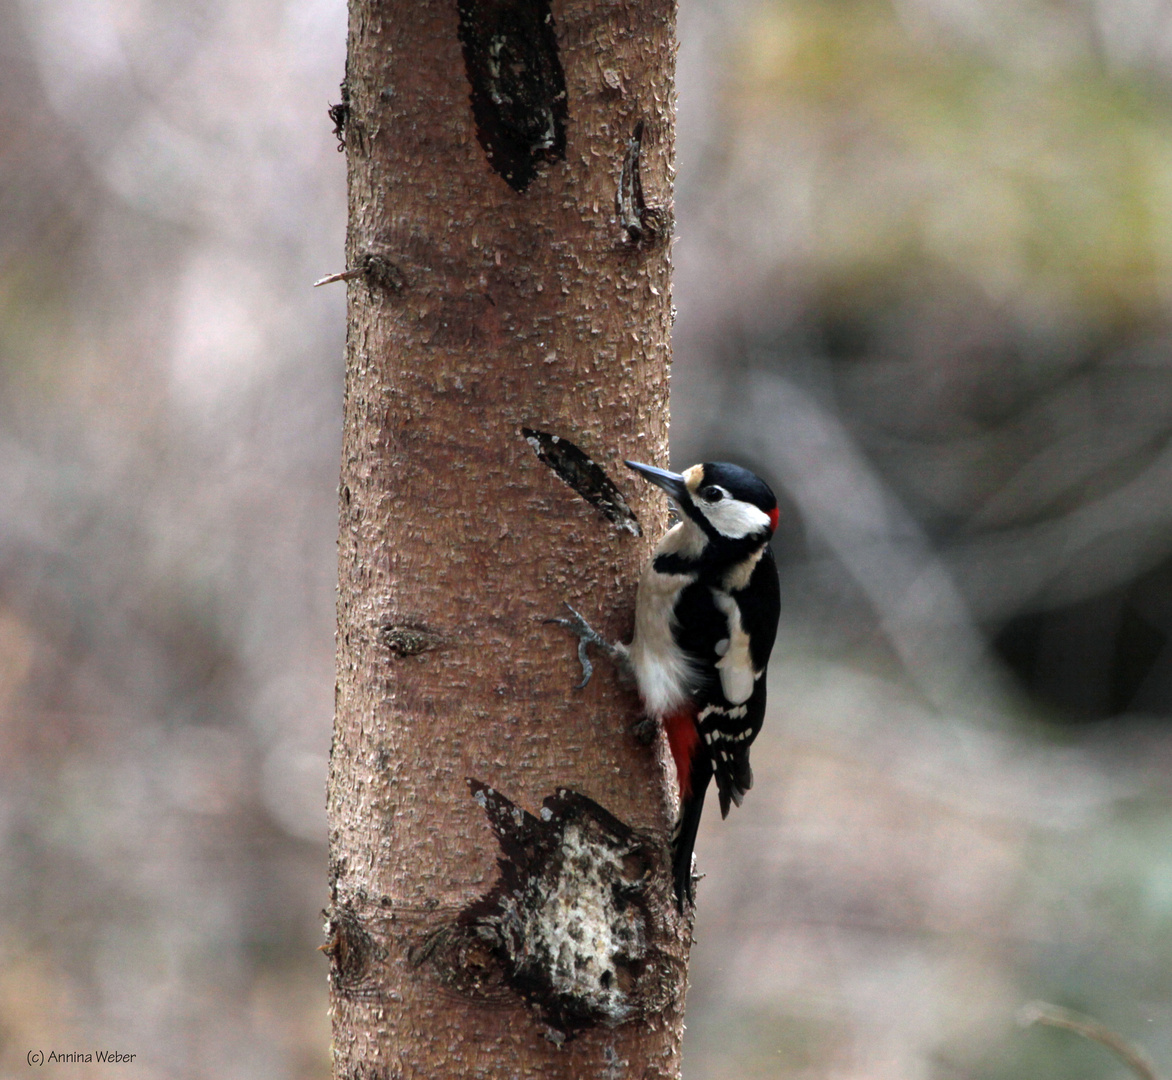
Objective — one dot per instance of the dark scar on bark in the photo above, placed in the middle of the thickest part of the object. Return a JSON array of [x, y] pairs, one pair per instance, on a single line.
[[645, 225], [585, 476], [518, 86], [353, 953], [571, 925], [408, 640], [340, 114], [376, 269]]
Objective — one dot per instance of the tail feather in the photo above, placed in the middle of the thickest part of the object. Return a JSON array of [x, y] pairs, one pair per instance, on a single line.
[[684, 835], [734, 779]]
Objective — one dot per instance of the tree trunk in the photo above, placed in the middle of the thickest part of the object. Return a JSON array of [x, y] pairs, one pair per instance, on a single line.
[[472, 931]]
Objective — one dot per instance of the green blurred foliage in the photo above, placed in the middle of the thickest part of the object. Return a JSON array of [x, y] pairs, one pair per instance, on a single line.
[[1030, 167]]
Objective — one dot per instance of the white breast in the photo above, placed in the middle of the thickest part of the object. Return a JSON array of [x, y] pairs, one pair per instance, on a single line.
[[662, 670]]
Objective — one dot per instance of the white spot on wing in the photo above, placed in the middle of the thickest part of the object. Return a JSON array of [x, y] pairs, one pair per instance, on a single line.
[[735, 666]]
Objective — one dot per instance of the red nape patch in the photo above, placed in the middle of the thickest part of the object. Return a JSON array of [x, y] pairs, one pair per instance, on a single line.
[[774, 514], [683, 737]]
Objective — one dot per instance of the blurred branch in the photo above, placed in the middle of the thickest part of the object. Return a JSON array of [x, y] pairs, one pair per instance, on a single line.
[[845, 501], [1041, 1012], [1106, 541]]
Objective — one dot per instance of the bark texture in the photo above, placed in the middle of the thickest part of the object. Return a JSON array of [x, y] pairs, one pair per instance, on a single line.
[[498, 293]]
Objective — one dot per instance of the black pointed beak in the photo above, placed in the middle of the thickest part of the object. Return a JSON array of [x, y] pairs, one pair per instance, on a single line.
[[672, 483]]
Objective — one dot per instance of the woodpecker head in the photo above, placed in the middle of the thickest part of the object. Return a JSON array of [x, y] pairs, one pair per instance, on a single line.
[[727, 502]]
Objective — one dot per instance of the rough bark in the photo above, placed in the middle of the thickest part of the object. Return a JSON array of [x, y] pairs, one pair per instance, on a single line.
[[492, 294]]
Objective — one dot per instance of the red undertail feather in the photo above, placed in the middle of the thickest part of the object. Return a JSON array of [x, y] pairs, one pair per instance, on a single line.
[[683, 737]]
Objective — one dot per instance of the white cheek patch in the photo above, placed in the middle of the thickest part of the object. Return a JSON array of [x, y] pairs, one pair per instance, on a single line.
[[735, 664], [734, 518]]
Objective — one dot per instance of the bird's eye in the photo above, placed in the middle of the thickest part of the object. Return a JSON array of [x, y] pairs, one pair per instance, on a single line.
[[712, 494]]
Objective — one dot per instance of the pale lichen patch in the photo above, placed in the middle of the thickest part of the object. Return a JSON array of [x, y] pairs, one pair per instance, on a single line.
[[575, 916], [579, 930]]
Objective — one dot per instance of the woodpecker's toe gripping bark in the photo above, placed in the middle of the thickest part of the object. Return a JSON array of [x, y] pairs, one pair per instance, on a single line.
[[587, 636]]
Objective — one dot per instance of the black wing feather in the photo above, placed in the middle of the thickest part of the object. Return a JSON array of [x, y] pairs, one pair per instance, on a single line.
[[760, 604], [727, 731]]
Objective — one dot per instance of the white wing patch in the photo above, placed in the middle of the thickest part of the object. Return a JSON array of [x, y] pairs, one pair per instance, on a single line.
[[735, 664], [738, 577]]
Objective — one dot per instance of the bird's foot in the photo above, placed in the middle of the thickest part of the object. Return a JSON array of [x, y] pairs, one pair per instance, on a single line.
[[587, 636], [644, 731]]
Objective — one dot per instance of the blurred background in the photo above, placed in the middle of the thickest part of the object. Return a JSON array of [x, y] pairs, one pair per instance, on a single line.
[[924, 280]]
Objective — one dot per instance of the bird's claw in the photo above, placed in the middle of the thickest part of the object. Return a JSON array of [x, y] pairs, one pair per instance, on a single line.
[[586, 635], [587, 666]]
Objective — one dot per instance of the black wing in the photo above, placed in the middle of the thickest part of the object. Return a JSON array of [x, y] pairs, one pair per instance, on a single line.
[[760, 604], [728, 728]]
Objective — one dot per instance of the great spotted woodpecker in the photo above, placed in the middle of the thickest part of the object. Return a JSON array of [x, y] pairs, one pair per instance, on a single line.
[[705, 620]]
